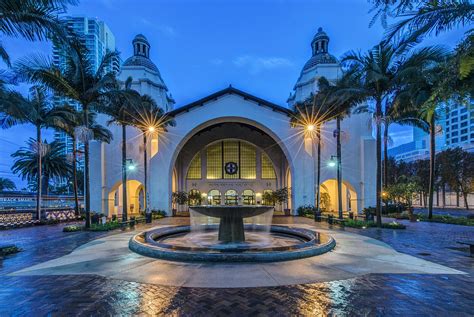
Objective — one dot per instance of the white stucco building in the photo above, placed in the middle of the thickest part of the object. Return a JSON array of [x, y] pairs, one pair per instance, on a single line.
[[232, 147]]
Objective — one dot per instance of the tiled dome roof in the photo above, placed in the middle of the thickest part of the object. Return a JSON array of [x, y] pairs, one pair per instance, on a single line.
[[323, 58], [138, 60]]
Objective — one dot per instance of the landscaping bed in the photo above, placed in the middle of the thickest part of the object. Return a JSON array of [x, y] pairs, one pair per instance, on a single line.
[[9, 249]]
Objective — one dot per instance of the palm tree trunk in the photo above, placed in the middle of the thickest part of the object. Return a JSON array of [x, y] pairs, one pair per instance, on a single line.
[[40, 172], [378, 185], [74, 175], [432, 166], [465, 201], [145, 169], [87, 189], [457, 198], [385, 157], [385, 162], [124, 173], [444, 195], [318, 171], [339, 167]]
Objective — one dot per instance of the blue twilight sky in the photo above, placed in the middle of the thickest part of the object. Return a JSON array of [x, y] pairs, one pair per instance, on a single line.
[[258, 46]]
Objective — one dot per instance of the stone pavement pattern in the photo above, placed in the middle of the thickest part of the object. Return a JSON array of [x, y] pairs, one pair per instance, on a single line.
[[387, 294]]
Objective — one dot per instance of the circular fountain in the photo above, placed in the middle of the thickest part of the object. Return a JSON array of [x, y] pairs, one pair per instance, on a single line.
[[231, 234]]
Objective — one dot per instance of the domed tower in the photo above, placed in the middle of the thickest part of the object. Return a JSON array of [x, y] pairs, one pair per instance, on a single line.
[[320, 64], [146, 78]]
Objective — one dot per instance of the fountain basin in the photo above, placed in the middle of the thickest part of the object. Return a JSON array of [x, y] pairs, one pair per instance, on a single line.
[[231, 219], [302, 243]]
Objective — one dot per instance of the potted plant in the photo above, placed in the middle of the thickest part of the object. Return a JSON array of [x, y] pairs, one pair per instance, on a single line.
[[179, 198], [281, 197]]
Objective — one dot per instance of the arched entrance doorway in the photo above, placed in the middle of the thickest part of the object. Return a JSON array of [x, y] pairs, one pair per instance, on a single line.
[[329, 196], [233, 163], [135, 198]]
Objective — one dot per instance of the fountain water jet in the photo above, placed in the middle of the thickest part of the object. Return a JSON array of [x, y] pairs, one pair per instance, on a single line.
[[231, 219]]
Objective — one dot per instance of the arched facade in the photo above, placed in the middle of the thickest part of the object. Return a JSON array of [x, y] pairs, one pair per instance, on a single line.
[[230, 114]]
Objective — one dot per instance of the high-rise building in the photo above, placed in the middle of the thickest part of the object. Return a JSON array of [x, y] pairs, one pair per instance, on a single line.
[[455, 128], [98, 39]]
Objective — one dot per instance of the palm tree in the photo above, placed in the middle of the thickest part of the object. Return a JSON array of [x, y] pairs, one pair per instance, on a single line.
[[36, 111], [78, 82], [6, 184], [310, 115], [341, 97], [421, 18], [75, 130], [149, 118], [423, 91], [121, 108], [54, 163], [32, 20], [383, 69]]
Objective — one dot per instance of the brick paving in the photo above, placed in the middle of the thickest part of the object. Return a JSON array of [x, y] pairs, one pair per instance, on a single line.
[[370, 295]]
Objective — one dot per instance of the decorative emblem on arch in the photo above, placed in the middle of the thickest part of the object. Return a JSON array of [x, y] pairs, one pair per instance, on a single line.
[[231, 168]]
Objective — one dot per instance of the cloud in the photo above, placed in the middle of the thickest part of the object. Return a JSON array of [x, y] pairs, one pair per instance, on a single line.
[[216, 61], [164, 29], [257, 64]]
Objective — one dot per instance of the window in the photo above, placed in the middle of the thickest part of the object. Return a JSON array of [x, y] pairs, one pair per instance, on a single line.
[[214, 197], [463, 109], [267, 198], [194, 197], [221, 154], [268, 172], [231, 155], [463, 131], [214, 161], [447, 129], [194, 171], [248, 161], [248, 197], [454, 120], [464, 124], [464, 138], [455, 133], [455, 140], [454, 127], [464, 117], [231, 197]]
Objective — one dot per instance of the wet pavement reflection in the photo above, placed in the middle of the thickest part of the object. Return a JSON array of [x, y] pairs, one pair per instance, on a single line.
[[374, 294]]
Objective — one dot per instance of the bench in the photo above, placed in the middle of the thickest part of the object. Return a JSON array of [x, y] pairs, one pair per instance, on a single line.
[[470, 244]]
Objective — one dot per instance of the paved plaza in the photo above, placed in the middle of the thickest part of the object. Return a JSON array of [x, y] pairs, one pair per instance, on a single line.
[[448, 290]]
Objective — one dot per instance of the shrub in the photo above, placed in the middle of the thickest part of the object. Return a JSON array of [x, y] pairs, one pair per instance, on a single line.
[[108, 226], [358, 224], [449, 220], [9, 249], [158, 214], [48, 222], [72, 228], [306, 210], [393, 225], [398, 215]]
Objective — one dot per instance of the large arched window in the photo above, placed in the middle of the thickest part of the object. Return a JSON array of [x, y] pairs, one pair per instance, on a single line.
[[231, 159], [248, 197], [214, 197], [194, 171], [231, 197], [268, 172]]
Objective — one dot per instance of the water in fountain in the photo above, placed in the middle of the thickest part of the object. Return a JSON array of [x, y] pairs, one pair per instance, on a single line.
[[204, 229]]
